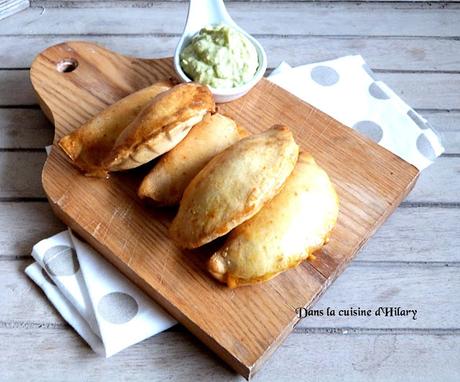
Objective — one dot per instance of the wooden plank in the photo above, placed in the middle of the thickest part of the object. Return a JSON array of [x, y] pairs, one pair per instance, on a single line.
[[448, 126], [413, 53], [368, 286], [434, 185], [451, 141], [10, 7], [442, 89], [54, 354], [23, 225], [150, 3], [16, 88], [416, 235], [29, 129], [409, 235], [24, 128], [20, 174], [439, 87], [323, 19], [443, 121], [438, 183], [21, 299]]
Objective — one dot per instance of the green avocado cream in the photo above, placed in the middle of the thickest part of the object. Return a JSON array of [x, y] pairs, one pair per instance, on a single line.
[[220, 57]]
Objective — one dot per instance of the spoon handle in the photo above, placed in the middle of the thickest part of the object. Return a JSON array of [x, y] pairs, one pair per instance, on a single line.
[[206, 12]]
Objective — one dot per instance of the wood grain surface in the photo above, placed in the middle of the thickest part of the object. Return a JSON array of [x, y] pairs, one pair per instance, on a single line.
[[242, 326], [163, 18], [10, 7], [421, 237], [166, 361]]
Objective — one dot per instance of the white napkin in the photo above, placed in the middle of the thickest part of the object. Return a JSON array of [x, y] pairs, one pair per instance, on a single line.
[[347, 90], [106, 309]]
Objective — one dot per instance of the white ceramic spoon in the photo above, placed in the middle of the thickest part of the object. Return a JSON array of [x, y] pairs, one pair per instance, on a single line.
[[203, 13]]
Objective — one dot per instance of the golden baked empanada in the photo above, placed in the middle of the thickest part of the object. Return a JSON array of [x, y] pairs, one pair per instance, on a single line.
[[160, 126], [295, 223], [167, 181], [90, 144], [234, 186]]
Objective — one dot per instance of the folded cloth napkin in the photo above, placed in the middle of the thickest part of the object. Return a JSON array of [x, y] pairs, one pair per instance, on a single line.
[[106, 309], [347, 89], [110, 313]]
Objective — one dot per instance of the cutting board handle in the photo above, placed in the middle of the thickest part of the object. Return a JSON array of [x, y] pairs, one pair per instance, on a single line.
[[79, 79]]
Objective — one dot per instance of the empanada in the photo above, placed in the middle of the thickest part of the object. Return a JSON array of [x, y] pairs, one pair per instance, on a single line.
[[160, 126], [234, 186], [167, 181], [295, 223], [90, 144]]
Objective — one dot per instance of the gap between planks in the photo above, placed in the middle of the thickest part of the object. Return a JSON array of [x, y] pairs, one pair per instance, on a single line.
[[42, 150], [270, 69], [294, 36], [354, 263], [33, 199], [151, 3], [28, 325]]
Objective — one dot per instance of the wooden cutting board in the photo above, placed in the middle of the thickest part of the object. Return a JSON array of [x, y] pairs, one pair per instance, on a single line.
[[76, 80]]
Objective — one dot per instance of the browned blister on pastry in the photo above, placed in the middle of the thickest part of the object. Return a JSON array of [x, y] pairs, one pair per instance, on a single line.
[[160, 126], [167, 181], [234, 186], [89, 145], [295, 223]]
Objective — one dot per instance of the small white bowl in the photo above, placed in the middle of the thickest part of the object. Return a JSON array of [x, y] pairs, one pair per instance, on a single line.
[[228, 94], [203, 13]]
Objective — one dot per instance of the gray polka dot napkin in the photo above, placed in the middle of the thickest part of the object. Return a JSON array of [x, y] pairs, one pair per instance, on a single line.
[[347, 90], [108, 311]]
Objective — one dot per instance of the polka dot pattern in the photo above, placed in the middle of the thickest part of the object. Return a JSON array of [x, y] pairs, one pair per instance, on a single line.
[[377, 92], [425, 148], [324, 75], [348, 90], [117, 308], [370, 129], [417, 120], [61, 260], [46, 277]]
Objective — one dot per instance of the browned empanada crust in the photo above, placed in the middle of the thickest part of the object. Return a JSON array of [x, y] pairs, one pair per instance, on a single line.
[[288, 229], [166, 182], [89, 145], [160, 126], [234, 186]]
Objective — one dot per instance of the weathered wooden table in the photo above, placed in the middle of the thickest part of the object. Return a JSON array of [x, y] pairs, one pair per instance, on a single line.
[[413, 262]]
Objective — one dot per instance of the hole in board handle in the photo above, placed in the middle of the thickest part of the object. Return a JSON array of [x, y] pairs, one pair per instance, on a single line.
[[67, 65]]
